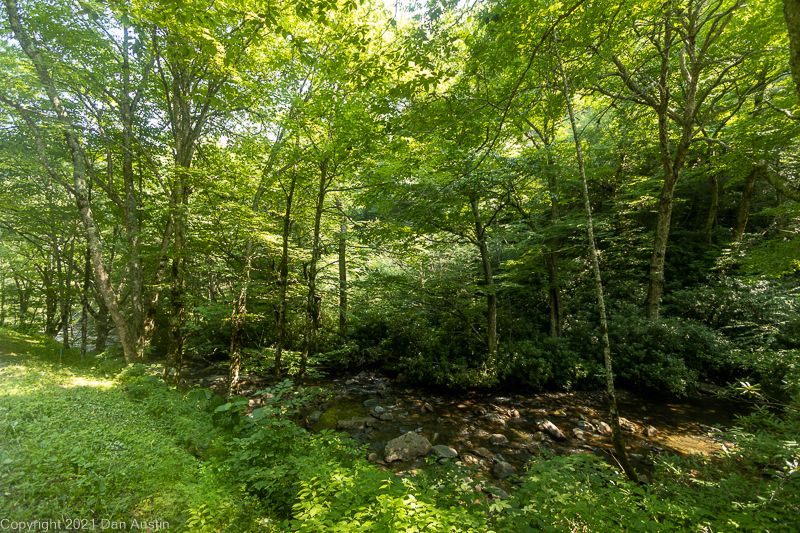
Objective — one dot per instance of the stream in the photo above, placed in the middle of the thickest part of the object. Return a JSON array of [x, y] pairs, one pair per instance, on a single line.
[[487, 428]]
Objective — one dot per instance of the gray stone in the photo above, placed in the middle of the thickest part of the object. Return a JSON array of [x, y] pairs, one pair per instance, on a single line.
[[373, 457], [604, 429], [387, 417], [483, 452], [498, 439], [497, 493], [315, 416], [651, 431], [586, 426], [578, 432], [426, 408], [503, 470], [552, 430], [357, 422], [444, 452], [406, 447], [372, 402]]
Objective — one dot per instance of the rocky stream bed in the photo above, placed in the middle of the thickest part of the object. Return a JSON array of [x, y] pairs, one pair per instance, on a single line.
[[406, 429]]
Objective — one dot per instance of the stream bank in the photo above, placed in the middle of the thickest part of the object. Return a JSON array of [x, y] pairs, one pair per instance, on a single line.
[[495, 433]]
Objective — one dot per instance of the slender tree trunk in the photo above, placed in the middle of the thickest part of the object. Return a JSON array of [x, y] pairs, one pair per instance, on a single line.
[[101, 325], [177, 319], [551, 259], [66, 298], [239, 311], [619, 445], [313, 304], [284, 274], [2, 300], [238, 317], [85, 305], [149, 320], [713, 209], [342, 272], [744, 207], [50, 299], [488, 281]]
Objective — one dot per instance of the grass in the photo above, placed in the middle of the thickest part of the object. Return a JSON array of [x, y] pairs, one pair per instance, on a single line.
[[76, 446]]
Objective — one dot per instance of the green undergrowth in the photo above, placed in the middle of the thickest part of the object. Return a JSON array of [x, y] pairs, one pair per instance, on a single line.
[[75, 445], [78, 444]]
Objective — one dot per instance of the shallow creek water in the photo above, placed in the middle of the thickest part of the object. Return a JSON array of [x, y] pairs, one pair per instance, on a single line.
[[472, 422]]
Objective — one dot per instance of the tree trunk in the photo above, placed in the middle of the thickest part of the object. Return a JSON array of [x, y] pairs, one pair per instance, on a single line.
[[2, 300], [101, 325], [66, 299], [791, 14], [50, 300], [313, 304], [713, 209], [342, 272], [85, 305], [551, 259], [619, 444], [744, 207], [284, 274], [78, 186], [238, 317], [177, 319], [488, 281]]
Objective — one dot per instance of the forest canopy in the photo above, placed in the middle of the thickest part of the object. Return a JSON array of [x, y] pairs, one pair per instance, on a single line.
[[321, 185]]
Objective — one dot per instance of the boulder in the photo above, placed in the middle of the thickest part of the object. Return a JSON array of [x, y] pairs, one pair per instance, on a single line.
[[357, 422], [503, 470], [315, 416], [604, 429], [498, 439], [406, 447], [651, 431], [483, 452], [372, 402], [387, 417], [426, 408], [552, 430], [579, 433], [444, 452], [627, 425]]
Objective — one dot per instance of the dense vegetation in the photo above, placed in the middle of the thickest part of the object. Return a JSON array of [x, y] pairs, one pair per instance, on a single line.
[[331, 185], [80, 445]]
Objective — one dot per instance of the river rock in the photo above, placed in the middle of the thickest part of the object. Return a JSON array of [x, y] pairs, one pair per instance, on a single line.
[[651, 431], [627, 425], [498, 439], [579, 433], [495, 419], [444, 452], [503, 470], [315, 416], [604, 429], [469, 460], [483, 452], [406, 447], [387, 417], [549, 427], [357, 422], [586, 426], [426, 408], [372, 458], [372, 402]]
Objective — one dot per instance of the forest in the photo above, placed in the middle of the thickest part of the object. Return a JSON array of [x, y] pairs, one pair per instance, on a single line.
[[492, 197]]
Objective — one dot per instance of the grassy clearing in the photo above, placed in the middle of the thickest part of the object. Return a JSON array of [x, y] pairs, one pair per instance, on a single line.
[[76, 446]]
